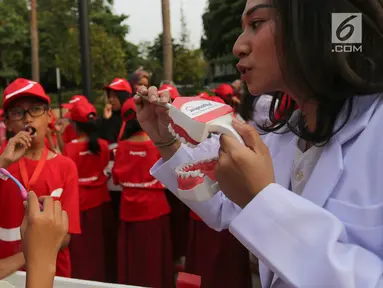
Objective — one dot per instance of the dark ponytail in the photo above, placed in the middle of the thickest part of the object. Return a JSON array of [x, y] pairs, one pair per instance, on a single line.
[[131, 128], [90, 128]]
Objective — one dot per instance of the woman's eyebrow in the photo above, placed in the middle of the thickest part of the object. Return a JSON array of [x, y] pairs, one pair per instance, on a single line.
[[256, 7]]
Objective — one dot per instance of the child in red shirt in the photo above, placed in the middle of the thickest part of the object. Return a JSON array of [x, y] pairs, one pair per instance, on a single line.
[[91, 156], [40, 170], [144, 238]]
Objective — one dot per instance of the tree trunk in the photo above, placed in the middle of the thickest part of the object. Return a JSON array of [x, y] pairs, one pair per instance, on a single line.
[[167, 41], [35, 43]]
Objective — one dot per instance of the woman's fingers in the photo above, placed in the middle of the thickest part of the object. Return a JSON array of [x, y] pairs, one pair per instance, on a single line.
[[153, 94], [165, 96], [249, 135]]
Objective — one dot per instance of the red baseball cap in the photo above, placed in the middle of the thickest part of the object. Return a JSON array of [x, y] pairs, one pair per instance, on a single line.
[[73, 100], [128, 110], [172, 90], [81, 112], [203, 94], [225, 91], [23, 88], [119, 84]]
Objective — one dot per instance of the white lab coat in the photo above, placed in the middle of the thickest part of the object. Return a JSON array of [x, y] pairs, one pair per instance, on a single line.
[[332, 235]]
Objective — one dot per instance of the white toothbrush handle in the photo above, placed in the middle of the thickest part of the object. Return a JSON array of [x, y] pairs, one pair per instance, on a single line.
[[226, 129], [165, 105]]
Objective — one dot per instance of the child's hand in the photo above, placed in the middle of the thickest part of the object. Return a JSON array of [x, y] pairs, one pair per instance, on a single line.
[[42, 232], [16, 148], [59, 126], [108, 111]]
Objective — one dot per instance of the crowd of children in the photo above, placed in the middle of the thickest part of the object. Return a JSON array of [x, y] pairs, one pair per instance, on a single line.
[[124, 226]]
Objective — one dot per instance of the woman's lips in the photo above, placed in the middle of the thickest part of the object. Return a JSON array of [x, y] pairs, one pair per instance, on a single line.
[[246, 76]]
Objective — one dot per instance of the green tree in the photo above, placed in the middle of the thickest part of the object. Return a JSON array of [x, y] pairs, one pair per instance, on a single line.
[[13, 37], [59, 42], [189, 67], [221, 23], [108, 57]]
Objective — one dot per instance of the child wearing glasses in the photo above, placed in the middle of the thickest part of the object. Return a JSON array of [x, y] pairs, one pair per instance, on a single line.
[[27, 115]]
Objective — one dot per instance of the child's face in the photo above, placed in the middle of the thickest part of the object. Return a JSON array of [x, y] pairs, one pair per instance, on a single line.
[[29, 112], [114, 101]]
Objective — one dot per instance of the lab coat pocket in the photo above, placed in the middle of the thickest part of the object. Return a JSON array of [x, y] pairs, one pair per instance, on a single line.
[[364, 224]]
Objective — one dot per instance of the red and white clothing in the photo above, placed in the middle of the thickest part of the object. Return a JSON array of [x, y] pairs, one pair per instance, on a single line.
[[144, 241], [88, 249], [59, 179], [69, 134], [143, 196], [92, 179]]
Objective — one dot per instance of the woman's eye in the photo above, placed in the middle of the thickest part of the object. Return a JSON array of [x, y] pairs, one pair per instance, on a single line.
[[256, 23]]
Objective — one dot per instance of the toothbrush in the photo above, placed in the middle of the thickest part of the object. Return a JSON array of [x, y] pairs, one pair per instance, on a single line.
[[23, 191], [193, 120]]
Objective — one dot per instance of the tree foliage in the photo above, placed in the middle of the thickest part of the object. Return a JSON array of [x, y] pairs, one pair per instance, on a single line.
[[189, 66], [221, 23], [14, 32], [59, 42]]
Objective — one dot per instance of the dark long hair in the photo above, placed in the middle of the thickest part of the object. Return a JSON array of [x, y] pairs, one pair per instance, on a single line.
[[90, 128], [131, 128], [314, 73]]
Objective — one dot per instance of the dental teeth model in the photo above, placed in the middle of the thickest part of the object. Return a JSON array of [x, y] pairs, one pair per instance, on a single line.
[[193, 120]]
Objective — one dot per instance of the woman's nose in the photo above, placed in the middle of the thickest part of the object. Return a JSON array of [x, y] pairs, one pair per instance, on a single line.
[[241, 47]]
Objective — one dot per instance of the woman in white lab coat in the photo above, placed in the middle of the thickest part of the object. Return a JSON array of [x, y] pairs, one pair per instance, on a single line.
[[308, 202]]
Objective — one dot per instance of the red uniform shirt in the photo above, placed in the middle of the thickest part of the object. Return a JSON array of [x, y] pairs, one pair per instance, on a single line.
[[58, 178], [143, 196], [69, 134], [91, 178]]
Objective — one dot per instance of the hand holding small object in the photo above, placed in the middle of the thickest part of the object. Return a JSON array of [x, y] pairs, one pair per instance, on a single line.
[[16, 148], [108, 111], [42, 232]]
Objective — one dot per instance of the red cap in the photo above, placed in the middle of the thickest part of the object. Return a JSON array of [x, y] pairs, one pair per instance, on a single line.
[[225, 91], [119, 84], [128, 110], [172, 90], [1, 114], [73, 100], [23, 88], [81, 112], [203, 94]]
